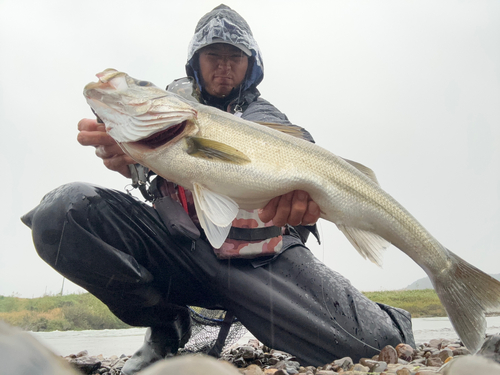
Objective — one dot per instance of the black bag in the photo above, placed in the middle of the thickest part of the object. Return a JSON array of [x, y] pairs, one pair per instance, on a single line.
[[177, 221]]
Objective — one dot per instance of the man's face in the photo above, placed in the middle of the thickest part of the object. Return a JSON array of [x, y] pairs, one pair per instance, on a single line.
[[223, 67]]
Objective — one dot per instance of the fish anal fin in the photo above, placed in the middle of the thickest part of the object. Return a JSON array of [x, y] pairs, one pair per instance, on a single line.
[[363, 169], [216, 213], [210, 149], [369, 245]]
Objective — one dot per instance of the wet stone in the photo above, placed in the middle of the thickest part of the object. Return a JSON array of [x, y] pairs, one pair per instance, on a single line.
[[444, 354], [360, 368], [461, 351], [292, 367], [86, 365], [434, 362], [256, 359], [388, 355], [374, 366], [405, 352], [247, 352], [252, 370], [344, 363], [418, 361], [82, 353], [491, 348], [379, 367]]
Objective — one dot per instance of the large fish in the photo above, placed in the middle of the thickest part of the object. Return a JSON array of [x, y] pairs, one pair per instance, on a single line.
[[229, 163]]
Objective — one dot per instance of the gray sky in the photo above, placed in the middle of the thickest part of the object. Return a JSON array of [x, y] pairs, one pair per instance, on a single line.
[[409, 88]]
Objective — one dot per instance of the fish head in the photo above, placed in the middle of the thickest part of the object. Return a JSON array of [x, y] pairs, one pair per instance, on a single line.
[[137, 112]]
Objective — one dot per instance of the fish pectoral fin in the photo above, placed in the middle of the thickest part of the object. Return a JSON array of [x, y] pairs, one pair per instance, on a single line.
[[210, 149], [363, 169], [368, 244], [293, 130], [216, 213]]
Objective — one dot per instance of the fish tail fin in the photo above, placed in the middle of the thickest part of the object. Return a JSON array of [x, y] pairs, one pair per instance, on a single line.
[[467, 293]]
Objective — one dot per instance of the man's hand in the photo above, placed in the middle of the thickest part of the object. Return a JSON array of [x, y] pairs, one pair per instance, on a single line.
[[294, 208], [94, 134]]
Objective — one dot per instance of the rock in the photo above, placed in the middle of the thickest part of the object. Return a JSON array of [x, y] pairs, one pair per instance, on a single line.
[[247, 352], [472, 364], [252, 370], [403, 371], [21, 353], [292, 367], [360, 368], [405, 352], [434, 362], [438, 343], [444, 354], [491, 348], [418, 361], [82, 353], [86, 364], [196, 364], [379, 367], [374, 366], [388, 355], [461, 351], [344, 363]]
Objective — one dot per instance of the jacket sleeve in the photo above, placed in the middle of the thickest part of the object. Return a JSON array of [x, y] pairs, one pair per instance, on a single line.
[[261, 110]]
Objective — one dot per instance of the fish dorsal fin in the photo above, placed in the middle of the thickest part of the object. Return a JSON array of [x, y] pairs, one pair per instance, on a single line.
[[368, 244], [363, 169], [293, 130], [210, 149], [216, 213]]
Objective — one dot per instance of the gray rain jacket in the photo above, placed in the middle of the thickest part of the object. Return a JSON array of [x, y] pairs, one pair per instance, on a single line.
[[224, 25]]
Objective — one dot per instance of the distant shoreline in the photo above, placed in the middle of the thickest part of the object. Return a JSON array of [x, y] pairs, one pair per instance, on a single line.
[[75, 312]]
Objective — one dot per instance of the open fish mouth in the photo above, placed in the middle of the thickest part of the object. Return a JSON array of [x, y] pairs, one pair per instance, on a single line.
[[163, 137]]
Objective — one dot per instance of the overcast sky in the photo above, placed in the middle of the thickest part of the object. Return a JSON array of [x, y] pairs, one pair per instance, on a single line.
[[409, 88]]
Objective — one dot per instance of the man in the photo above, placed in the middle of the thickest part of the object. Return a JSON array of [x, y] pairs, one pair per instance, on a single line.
[[147, 272]]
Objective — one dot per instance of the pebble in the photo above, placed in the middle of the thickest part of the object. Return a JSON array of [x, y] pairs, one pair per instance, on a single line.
[[256, 359], [18, 350], [491, 348], [405, 352], [388, 354]]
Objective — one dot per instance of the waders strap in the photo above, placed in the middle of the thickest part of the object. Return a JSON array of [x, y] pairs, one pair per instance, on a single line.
[[221, 338], [254, 234]]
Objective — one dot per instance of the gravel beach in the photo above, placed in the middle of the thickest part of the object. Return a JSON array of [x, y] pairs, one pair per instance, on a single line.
[[438, 356]]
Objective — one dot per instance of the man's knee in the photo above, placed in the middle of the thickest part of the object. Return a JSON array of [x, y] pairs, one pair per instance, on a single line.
[[48, 220]]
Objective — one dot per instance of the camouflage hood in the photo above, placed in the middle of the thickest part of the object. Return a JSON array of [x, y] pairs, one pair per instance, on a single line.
[[224, 25]]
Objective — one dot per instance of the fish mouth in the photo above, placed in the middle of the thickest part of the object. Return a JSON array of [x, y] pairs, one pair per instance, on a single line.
[[162, 137]]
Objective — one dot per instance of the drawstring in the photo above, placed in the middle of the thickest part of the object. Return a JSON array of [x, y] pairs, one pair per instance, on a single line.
[[182, 196]]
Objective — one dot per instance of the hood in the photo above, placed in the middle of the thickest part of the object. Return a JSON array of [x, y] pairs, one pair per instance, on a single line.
[[224, 25]]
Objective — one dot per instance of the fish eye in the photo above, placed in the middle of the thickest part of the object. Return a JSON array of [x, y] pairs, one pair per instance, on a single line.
[[144, 83]]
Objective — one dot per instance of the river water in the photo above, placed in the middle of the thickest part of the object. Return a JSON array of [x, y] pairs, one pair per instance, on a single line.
[[127, 341]]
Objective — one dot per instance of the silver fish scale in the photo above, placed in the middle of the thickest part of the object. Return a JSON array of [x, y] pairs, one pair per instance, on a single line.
[[280, 163]]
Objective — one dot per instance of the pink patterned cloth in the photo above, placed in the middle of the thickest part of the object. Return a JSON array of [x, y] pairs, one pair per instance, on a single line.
[[249, 249], [244, 219]]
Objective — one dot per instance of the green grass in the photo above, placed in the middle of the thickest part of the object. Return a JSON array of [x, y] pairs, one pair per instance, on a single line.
[[49, 313], [419, 303], [84, 311]]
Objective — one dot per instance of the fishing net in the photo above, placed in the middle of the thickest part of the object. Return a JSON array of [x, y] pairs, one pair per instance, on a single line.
[[206, 324]]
